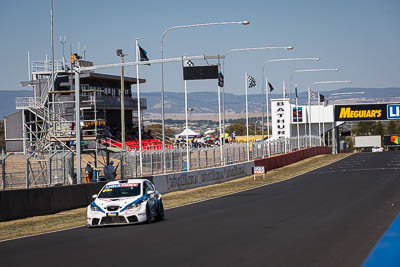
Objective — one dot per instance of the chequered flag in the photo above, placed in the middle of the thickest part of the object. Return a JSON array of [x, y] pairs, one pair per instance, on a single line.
[[312, 94], [251, 81], [189, 63]]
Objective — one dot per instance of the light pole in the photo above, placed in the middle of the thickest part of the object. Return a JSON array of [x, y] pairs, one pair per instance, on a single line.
[[63, 42], [223, 71], [333, 121], [266, 100], [245, 22], [190, 113], [309, 99], [122, 94], [255, 130]]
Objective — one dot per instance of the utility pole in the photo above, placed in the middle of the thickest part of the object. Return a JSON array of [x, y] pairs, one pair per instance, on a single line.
[[122, 93]]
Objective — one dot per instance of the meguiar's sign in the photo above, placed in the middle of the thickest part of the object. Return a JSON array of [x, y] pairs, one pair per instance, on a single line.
[[367, 112]]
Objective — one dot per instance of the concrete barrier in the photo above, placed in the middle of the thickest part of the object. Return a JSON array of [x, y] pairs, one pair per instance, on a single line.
[[185, 180], [17, 204]]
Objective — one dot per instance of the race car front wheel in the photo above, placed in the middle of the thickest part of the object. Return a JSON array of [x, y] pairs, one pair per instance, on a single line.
[[148, 214], [160, 212]]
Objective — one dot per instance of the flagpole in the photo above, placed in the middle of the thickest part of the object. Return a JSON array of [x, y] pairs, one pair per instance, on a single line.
[[221, 138], [323, 124], [263, 109], [247, 116], [319, 118], [283, 89], [267, 98], [187, 129], [309, 114], [122, 95], [297, 113], [138, 109]]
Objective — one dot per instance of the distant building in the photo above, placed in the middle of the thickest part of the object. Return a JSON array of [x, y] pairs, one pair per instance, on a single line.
[[49, 114]]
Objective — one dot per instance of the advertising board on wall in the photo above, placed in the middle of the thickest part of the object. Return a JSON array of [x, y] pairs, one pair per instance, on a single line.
[[281, 117], [297, 114], [393, 111], [363, 112], [391, 140]]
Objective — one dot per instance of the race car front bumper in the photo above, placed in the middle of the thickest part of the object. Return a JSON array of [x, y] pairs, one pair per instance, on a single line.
[[131, 216]]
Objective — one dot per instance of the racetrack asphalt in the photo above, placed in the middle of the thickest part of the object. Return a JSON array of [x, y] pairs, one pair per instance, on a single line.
[[332, 216]]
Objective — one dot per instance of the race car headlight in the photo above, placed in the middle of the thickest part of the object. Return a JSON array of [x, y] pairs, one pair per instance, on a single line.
[[94, 208], [133, 205]]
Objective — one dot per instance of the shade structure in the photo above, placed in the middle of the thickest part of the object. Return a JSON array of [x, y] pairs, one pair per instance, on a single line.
[[188, 132]]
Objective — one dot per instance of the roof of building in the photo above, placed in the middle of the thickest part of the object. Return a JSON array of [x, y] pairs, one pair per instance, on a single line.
[[92, 76]]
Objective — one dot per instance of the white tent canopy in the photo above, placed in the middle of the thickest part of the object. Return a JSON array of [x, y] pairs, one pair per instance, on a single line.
[[189, 132]]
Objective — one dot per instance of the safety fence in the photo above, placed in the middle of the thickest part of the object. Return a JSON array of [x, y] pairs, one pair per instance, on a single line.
[[181, 159], [58, 167], [48, 200]]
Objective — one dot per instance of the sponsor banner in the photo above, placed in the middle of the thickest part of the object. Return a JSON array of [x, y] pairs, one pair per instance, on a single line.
[[393, 111], [370, 112], [259, 170], [185, 180], [391, 140], [280, 118], [297, 117]]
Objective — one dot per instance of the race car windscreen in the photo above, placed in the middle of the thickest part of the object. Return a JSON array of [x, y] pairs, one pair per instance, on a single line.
[[120, 190]]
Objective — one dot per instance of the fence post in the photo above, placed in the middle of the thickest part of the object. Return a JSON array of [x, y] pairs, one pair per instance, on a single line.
[[3, 169], [136, 163], [151, 163], [172, 160], [49, 166], [63, 165], [206, 150], [214, 156], [56, 166], [27, 170], [198, 158], [121, 163]]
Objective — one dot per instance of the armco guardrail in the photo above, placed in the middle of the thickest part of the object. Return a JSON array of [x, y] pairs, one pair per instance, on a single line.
[[291, 157], [185, 180]]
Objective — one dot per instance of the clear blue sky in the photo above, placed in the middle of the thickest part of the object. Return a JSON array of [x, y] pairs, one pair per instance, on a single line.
[[361, 37]]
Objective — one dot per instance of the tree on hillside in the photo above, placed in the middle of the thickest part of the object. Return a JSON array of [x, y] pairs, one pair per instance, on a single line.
[[156, 131], [238, 127], [363, 128], [392, 127], [378, 129]]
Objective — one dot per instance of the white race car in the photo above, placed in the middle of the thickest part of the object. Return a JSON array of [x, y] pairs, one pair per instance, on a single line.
[[125, 202]]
